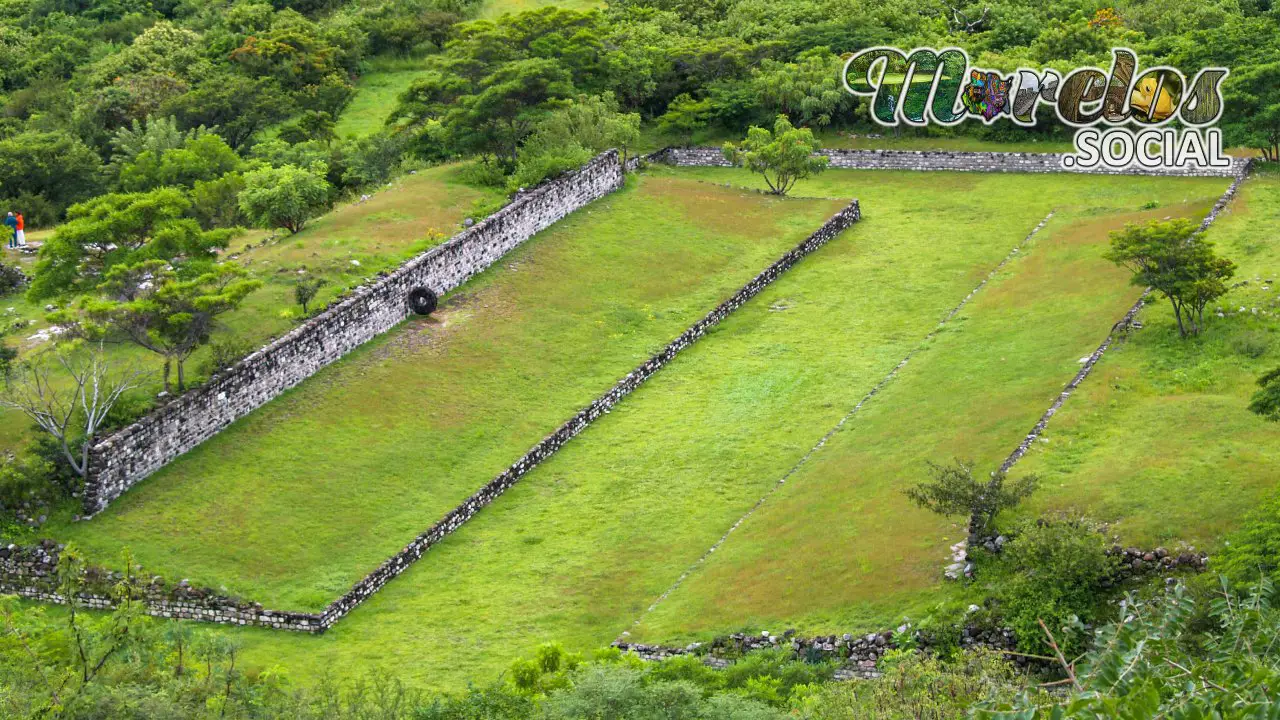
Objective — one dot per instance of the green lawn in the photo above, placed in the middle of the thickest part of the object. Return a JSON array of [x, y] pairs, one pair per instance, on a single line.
[[416, 213], [299, 500], [581, 547], [377, 94], [1159, 441]]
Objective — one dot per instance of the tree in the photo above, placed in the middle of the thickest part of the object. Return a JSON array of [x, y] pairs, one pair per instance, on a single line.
[[509, 102], [1252, 107], [592, 122], [284, 197], [684, 117], [787, 154], [54, 165], [1174, 259], [204, 158], [231, 105], [70, 405], [1266, 402], [954, 491], [166, 314], [305, 291], [121, 228], [313, 125]]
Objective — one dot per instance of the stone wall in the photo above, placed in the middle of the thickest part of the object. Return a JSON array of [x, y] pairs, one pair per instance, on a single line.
[[133, 453], [399, 562], [942, 160], [31, 572]]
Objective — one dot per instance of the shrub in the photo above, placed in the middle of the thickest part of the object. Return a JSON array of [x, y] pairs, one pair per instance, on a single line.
[[12, 279], [1266, 402], [1254, 549], [915, 687], [1252, 345], [1056, 572], [225, 352], [285, 197]]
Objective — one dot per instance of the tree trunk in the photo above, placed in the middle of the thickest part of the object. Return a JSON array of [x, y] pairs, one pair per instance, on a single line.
[[166, 373], [1177, 313], [182, 386]]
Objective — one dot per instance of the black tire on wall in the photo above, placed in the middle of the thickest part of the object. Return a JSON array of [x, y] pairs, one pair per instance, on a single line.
[[422, 300]]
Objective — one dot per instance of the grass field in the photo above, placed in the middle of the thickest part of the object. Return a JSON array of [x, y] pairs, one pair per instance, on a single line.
[[296, 502], [1159, 442], [580, 548], [377, 93]]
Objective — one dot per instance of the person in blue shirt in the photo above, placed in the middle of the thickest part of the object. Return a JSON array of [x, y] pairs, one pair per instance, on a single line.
[[12, 222]]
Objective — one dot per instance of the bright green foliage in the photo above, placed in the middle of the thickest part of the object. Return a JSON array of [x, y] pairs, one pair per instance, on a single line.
[[1253, 551], [204, 158], [54, 166], [284, 197], [808, 91], [1266, 402], [684, 117], [954, 491], [305, 291], [1058, 573], [782, 157], [120, 228], [1173, 656], [163, 312], [569, 136], [1171, 257], [916, 686], [1252, 107], [506, 106]]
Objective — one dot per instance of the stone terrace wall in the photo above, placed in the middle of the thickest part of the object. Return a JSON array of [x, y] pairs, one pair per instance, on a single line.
[[399, 562], [941, 160], [30, 572], [133, 453]]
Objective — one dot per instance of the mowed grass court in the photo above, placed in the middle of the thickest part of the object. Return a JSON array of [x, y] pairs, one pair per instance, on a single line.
[[582, 546]]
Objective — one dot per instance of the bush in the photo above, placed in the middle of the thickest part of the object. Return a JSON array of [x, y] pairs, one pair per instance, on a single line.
[[1054, 571], [916, 687], [24, 480], [1266, 402], [12, 279], [224, 353], [1254, 549], [1252, 345]]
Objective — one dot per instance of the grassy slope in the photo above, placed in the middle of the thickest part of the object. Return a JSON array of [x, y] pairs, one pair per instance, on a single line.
[[839, 547], [586, 542], [377, 93], [294, 503], [417, 212], [1159, 441]]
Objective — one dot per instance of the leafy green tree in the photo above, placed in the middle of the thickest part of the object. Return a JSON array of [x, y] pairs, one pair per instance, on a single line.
[[284, 197], [53, 165], [1174, 259], [591, 122], [1251, 111], [684, 117], [954, 490], [205, 158], [808, 91], [508, 104], [216, 203], [782, 157], [313, 125], [231, 105], [163, 312], [304, 291], [1266, 402], [121, 228]]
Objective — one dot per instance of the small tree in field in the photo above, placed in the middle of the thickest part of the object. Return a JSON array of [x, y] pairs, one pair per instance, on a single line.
[[955, 491], [782, 157], [70, 400], [1266, 402], [284, 197], [171, 316], [1175, 260], [305, 291]]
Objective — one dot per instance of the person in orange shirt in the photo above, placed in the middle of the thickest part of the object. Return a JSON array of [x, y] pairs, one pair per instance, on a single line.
[[22, 235]]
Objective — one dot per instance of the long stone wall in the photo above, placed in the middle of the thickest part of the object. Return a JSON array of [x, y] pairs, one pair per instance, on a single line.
[[943, 160], [119, 461]]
